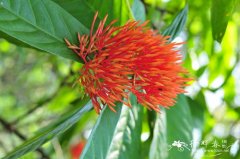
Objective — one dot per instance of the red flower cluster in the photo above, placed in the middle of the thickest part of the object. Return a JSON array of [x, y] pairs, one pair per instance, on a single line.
[[129, 58]]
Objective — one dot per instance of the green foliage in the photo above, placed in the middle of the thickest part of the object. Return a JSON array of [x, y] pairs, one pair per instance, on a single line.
[[197, 111], [48, 134], [167, 124], [118, 132], [221, 12], [36, 23], [138, 10], [177, 25], [35, 89], [115, 9]]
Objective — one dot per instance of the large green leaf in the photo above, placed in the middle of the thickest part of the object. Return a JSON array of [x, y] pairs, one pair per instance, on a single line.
[[159, 146], [84, 10], [13, 40], [116, 135], [41, 24], [197, 111], [179, 128], [48, 134], [171, 127], [177, 25], [221, 12]]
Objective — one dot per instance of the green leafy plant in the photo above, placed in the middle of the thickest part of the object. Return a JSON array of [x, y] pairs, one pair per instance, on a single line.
[[42, 26]]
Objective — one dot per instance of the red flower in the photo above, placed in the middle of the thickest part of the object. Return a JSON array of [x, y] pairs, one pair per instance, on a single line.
[[130, 58], [76, 150]]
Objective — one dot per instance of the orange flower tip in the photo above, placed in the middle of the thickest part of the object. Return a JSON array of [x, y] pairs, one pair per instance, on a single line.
[[79, 36], [112, 109], [73, 47], [127, 104], [156, 110], [97, 110], [67, 42], [181, 43], [96, 14], [167, 107]]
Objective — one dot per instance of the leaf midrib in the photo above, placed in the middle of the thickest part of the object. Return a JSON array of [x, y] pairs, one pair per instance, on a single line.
[[35, 26], [117, 131]]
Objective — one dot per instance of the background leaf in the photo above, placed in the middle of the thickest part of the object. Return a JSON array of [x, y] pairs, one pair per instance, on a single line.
[[41, 24], [197, 111], [138, 10], [175, 125], [159, 145], [177, 25], [221, 12], [84, 10], [48, 134], [115, 134]]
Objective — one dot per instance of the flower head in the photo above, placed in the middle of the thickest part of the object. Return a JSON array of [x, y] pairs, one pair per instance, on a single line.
[[129, 58]]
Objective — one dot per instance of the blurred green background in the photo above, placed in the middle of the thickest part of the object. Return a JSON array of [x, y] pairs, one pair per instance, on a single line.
[[36, 88]]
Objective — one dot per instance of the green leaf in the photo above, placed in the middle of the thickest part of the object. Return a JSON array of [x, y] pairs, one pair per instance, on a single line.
[[197, 111], [221, 12], [230, 89], [80, 9], [84, 10], [171, 126], [65, 95], [40, 139], [13, 40], [200, 71], [177, 25], [159, 146], [138, 10], [116, 135], [41, 24]]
